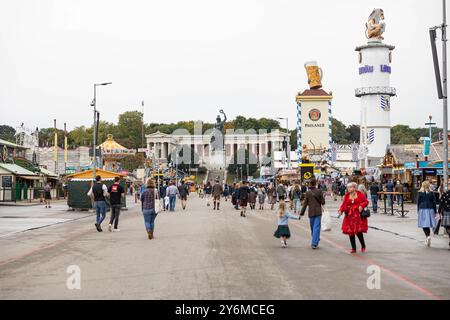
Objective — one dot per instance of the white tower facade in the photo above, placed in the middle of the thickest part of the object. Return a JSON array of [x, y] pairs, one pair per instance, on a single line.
[[375, 92]]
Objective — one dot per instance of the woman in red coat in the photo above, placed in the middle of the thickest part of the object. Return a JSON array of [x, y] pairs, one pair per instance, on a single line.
[[353, 204]]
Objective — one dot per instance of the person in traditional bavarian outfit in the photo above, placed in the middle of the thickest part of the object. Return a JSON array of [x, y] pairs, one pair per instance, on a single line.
[[283, 231], [426, 209], [271, 194], [444, 211]]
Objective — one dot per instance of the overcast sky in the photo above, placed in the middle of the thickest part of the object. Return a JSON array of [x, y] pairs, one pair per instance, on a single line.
[[187, 59]]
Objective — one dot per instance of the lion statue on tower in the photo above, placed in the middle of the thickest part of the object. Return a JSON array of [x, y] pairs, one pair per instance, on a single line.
[[374, 26]]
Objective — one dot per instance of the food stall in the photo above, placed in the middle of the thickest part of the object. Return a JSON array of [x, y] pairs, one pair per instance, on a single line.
[[78, 185]]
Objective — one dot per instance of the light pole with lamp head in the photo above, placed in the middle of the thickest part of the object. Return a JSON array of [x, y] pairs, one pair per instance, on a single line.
[[429, 124], [288, 146], [94, 104]]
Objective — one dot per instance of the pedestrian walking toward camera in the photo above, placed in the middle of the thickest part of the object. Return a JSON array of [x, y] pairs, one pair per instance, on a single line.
[[335, 190], [426, 208], [354, 223], [252, 197], [217, 191], [183, 191], [235, 196], [314, 200], [47, 195], [281, 192], [116, 192], [444, 211], [98, 193], [261, 197], [244, 192], [149, 207], [271, 194], [283, 231], [208, 192], [226, 192], [342, 190]]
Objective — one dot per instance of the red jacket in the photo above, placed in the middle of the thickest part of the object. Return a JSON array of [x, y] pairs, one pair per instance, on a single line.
[[353, 223]]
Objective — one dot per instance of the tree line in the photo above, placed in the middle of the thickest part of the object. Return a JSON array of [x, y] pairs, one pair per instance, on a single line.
[[128, 131]]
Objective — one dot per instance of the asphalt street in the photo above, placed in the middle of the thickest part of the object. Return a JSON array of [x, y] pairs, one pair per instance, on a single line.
[[204, 254]]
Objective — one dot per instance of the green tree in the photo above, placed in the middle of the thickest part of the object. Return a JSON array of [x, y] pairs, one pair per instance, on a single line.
[[339, 133], [7, 133], [80, 136], [129, 129], [47, 137], [354, 132]]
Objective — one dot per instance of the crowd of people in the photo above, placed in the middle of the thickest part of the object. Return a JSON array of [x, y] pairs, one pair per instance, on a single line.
[[293, 200]]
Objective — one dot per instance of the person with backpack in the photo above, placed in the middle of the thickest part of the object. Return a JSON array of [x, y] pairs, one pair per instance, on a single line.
[[98, 193], [116, 192], [314, 200]]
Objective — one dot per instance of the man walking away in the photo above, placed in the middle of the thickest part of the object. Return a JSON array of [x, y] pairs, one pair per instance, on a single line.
[[399, 188], [115, 198], [374, 189], [243, 197], [183, 192], [172, 192], [98, 193], [47, 195], [281, 192], [217, 191], [314, 199], [390, 188]]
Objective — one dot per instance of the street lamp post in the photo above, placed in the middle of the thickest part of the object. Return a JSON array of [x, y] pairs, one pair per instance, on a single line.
[[288, 146], [442, 85], [94, 104], [430, 124]]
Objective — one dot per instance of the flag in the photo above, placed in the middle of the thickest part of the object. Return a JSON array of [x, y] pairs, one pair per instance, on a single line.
[[385, 103], [355, 152], [371, 135]]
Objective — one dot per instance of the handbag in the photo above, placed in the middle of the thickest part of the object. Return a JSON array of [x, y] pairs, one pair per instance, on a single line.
[[158, 204], [365, 213]]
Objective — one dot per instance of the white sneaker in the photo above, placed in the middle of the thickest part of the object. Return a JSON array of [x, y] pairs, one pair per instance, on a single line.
[[428, 241], [116, 230], [110, 227], [283, 244]]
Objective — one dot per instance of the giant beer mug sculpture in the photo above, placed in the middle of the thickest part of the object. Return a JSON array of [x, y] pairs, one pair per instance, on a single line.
[[314, 74]]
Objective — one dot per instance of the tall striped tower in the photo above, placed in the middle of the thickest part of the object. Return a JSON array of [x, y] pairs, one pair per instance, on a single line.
[[375, 91], [313, 114]]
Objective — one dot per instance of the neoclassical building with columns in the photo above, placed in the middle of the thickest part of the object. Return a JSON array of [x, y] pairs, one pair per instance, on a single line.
[[160, 145]]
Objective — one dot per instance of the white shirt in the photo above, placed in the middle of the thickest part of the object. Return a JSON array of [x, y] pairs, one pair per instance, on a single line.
[[104, 188]]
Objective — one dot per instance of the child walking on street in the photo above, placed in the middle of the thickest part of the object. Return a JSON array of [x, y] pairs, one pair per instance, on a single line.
[[283, 228]]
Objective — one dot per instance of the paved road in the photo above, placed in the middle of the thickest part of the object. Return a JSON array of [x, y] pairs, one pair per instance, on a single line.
[[204, 254]]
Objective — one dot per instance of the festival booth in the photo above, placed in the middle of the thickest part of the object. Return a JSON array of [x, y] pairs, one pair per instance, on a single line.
[[80, 183]]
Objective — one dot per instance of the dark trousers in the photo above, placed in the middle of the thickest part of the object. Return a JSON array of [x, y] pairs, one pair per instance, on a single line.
[[115, 213], [360, 238]]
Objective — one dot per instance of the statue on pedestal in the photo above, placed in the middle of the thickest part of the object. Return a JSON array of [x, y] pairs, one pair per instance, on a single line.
[[374, 27], [218, 135]]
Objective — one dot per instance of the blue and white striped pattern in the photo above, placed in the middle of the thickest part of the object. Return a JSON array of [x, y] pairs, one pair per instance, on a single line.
[[299, 132], [385, 103], [371, 135], [329, 123], [355, 152]]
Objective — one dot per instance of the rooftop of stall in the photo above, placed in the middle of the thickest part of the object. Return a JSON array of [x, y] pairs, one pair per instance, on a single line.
[[79, 184]]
